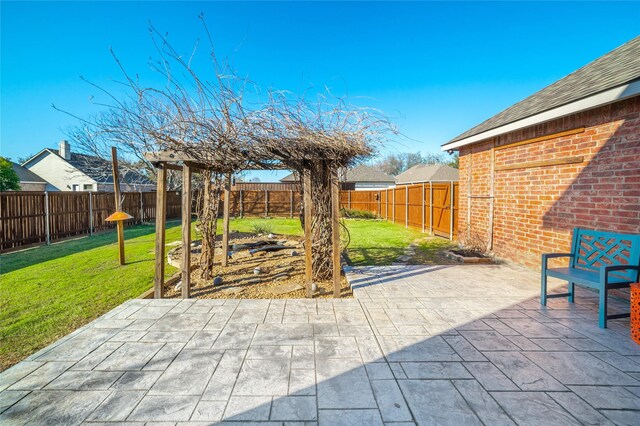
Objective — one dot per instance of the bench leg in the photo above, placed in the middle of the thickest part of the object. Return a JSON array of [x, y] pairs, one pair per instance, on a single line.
[[543, 288], [603, 308], [572, 291]]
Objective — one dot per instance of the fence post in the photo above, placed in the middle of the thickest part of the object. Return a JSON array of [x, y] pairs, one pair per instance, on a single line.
[[379, 203], [349, 198], [266, 203], [386, 205], [423, 207], [393, 206], [141, 207], [47, 229], [431, 207], [451, 212], [241, 204], [291, 203], [406, 206], [90, 214]]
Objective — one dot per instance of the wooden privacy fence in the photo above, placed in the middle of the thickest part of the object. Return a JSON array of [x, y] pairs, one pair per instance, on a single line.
[[430, 206], [28, 218]]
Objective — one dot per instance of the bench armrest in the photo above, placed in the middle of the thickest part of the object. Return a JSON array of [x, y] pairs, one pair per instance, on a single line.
[[547, 256], [604, 270]]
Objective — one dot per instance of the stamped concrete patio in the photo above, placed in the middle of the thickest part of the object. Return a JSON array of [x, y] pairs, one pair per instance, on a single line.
[[453, 345]]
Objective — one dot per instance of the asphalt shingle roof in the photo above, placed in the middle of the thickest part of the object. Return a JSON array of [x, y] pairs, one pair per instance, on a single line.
[[428, 172], [364, 173], [26, 175], [618, 67]]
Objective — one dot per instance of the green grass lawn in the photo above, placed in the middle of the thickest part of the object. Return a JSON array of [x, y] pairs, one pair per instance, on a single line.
[[49, 291]]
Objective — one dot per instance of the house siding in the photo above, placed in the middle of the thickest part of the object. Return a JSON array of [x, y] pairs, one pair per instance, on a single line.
[[60, 174], [535, 209]]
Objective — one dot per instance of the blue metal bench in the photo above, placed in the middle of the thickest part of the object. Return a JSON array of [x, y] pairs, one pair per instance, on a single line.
[[598, 260]]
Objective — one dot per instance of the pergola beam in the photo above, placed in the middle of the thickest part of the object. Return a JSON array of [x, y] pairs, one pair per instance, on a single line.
[[225, 220], [335, 231], [308, 240]]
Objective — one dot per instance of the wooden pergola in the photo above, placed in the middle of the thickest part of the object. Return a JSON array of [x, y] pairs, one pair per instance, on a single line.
[[172, 160]]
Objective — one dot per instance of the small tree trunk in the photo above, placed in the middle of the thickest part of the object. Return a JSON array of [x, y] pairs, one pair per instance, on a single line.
[[321, 225], [209, 220]]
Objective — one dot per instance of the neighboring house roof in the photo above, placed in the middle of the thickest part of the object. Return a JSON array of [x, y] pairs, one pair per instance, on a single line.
[[364, 173], [291, 177], [26, 175], [99, 169], [596, 81], [427, 173]]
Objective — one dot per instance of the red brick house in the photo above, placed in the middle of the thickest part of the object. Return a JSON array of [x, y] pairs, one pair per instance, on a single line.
[[567, 156]]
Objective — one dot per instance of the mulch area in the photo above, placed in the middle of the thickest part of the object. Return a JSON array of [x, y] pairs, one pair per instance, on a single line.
[[262, 275]]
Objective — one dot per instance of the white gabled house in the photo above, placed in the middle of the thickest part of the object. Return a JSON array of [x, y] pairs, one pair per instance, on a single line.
[[70, 171]]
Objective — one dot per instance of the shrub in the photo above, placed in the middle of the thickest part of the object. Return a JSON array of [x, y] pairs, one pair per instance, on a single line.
[[262, 228], [357, 214]]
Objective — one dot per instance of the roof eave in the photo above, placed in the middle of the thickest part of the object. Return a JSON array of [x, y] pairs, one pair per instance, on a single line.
[[609, 96]]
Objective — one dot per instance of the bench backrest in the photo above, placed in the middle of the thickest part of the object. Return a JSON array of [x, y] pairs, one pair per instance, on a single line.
[[593, 249]]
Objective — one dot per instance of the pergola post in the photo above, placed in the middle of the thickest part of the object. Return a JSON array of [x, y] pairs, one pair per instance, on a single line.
[[186, 231], [225, 221], [335, 231], [161, 213], [308, 241]]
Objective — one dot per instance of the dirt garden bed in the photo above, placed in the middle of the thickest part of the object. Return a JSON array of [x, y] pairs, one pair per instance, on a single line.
[[252, 273]]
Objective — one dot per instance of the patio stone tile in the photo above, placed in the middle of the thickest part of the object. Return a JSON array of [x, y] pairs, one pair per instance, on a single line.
[[325, 330], [52, 408], [172, 322], [140, 324], [620, 362], [336, 347], [464, 349], [533, 329], [164, 408], [267, 352], [355, 330], [391, 403], [343, 383], [223, 379], [203, 339], [435, 370], [17, 372], [303, 357], [622, 417], [188, 374], [579, 368], [77, 380], [294, 408], [130, 356], [556, 345], [168, 336], [489, 376], [164, 356], [235, 336], [295, 319], [608, 397], [150, 312], [78, 346], [533, 408], [489, 341], [284, 334], [302, 382], [437, 402], [500, 327], [417, 348], [117, 406], [248, 408], [397, 370], [378, 371], [482, 403], [349, 418], [263, 377], [524, 373], [112, 323], [8, 398], [248, 316], [586, 345], [90, 361], [137, 380], [579, 409], [40, 377], [369, 349], [209, 411]]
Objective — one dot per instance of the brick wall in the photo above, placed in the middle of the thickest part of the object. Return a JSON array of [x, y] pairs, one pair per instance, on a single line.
[[536, 208]]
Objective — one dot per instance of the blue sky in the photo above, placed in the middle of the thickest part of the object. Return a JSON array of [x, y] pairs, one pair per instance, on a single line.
[[436, 69]]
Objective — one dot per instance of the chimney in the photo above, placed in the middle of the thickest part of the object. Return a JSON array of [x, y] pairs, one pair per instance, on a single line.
[[65, 150]]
